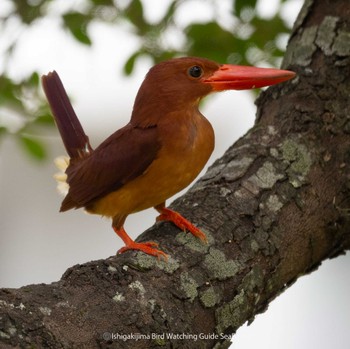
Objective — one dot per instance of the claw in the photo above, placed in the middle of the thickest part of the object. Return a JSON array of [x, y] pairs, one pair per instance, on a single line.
[[181, 222], [146, 247]]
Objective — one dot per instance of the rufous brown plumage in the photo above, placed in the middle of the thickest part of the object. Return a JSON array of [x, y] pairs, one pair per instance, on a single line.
[[159, 152]]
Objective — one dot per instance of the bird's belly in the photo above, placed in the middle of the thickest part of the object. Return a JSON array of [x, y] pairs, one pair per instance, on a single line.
[[162, 180], [171, 172]]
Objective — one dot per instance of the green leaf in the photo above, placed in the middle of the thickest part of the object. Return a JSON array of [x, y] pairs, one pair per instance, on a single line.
[[130, 63], [239, 5], [33, 146], [44, 119], [134, 13], [77, 24], [211, 41], [270, 28], [164, 55], [9, 91], [103, 2], [34, 79], [169, 13], [266, 33], [29, 11], [3, 130]]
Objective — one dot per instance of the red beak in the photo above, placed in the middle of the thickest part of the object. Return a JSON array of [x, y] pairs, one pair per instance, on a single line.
[[237, 77]]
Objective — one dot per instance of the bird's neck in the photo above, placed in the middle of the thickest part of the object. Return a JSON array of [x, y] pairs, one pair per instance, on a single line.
[[150, 113], [153, 104]]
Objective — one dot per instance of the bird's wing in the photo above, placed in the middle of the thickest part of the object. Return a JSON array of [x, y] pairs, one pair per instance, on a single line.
[[123, 156]]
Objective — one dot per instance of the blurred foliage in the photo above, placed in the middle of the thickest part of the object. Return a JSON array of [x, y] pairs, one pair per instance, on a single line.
[[244, 37]]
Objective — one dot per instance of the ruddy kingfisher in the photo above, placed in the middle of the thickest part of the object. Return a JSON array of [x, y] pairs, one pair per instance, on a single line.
[[159, 152]]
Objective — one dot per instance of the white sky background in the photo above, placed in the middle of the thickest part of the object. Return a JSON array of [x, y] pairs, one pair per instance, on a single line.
[[315, 312]]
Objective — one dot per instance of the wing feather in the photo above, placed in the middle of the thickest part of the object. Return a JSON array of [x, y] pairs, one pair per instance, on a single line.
[[123, 156]]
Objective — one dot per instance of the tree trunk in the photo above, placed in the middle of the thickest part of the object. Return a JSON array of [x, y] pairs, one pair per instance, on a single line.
[[273, 207]]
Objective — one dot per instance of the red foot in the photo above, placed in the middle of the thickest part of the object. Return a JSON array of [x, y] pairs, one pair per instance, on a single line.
[[146, 247], [180, 222]]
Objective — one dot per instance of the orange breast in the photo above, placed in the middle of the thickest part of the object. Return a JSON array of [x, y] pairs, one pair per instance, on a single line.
[[187, 143]]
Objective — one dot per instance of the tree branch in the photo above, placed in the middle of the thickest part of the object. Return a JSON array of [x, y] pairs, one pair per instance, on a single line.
[[273, 207]]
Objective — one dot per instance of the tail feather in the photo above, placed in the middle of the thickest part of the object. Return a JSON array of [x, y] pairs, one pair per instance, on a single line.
[[74, 138]]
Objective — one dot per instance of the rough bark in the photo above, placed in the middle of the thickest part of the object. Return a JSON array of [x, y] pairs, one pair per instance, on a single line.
[[274, 207]]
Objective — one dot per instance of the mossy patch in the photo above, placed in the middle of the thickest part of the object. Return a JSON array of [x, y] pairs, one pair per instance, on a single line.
[[232, 314], [194, 243], [209, 297], [219, 267], [146, 262], [299, 160], [189, 286]]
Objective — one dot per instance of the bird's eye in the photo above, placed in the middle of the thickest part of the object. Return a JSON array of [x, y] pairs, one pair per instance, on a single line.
[[195, 71]]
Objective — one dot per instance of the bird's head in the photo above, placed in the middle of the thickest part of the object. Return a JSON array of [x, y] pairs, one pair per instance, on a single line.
[[183, 82]]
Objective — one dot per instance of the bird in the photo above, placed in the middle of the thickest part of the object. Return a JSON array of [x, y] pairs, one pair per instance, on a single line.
[[159, 152]]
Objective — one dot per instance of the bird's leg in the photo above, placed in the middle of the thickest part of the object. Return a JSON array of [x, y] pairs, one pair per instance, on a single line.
[[169, 215], [130, 244]]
